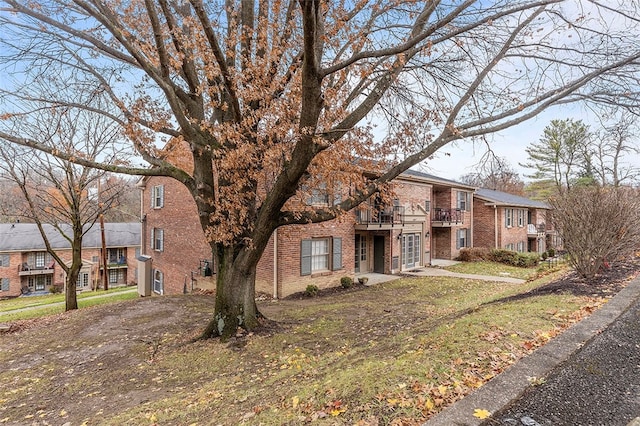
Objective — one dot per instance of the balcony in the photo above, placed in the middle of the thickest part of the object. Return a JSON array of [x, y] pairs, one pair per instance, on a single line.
[[26, 269], [446, 217], [372, 216], [116, 263], [538, 230]]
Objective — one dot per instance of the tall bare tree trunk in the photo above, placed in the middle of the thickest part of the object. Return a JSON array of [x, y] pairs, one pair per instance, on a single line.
[[235, 293], [70, 298]]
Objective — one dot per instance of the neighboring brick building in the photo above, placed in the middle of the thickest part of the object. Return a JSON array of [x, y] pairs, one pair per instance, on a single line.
[[26, 267], [372, 238], [511, 222]]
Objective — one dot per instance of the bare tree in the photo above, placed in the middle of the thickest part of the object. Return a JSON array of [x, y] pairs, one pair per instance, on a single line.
[[127, 207], [59, 192], [598, 226], [272, 99], [497, 174], [614, 143]]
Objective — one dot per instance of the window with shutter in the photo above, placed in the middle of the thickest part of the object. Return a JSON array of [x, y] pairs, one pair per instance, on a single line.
[[4, 260], [5, 284], [337, 254], [305, 257], [157, 197], [320, 254]]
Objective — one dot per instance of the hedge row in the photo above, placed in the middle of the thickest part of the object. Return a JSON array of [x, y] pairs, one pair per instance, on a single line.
[[523, 260]]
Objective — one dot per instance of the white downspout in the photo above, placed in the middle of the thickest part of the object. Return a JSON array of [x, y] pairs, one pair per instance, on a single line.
[[275, 263], [496, 225]]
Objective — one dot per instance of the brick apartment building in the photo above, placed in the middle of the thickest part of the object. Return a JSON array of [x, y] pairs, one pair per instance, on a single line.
[[26, 266], [429, 217], [510, 222]]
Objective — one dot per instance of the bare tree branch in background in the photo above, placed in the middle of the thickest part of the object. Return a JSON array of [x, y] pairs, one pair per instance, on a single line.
[[59, 193]]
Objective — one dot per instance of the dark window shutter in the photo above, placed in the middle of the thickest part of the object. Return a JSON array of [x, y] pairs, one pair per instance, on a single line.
[[457, 240], [337, 254], [305, 257]]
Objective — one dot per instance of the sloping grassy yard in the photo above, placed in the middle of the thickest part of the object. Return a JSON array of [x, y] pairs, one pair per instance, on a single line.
[[37, 306], [496, 269], [394, 353]]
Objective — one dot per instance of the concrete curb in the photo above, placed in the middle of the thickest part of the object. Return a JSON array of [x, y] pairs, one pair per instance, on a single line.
[[508, 386]]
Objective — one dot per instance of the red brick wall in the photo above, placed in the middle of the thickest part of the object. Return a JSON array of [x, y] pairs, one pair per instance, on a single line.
[[445, 238], [11, 272], [513, 234], [483, 225], [185, 245], [289, 237], [184, 242]]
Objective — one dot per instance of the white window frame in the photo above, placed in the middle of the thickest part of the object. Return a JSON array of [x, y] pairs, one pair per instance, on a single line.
[[40, 259], [461, 237], [320, 255], [115, 276], [520, 218], [508, 218], [157, 197], [157, 239], [118, 252], [462, 200], [158, 282], [36, 285]]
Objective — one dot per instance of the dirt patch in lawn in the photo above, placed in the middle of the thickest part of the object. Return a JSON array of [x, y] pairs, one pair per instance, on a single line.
[[119, 363]]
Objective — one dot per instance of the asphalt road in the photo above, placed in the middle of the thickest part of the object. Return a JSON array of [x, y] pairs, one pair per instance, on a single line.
[[598, 385]]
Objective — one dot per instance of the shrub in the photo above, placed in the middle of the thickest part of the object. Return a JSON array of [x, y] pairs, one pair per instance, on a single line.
[[551, 251], [508, 257], [544, 255], [473, 254], [346, 282], [55, 289], [311, 290]]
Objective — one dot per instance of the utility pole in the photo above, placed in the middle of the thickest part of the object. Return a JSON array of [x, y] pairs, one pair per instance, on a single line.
[[105, 270]]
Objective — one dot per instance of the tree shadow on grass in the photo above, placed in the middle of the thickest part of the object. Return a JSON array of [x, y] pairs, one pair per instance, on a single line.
[[606, 284]]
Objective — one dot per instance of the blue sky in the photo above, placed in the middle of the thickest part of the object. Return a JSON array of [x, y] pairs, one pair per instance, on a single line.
[[509, 144]]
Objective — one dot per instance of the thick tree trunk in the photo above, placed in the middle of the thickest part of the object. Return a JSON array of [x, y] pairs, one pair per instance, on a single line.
[[235, 294], [70, 299]]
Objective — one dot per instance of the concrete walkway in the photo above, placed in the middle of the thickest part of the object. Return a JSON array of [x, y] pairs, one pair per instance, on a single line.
[[436, 270]]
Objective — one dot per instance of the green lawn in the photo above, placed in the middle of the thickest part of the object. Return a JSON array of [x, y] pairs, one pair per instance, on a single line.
[[493, 268], [26, 307]]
